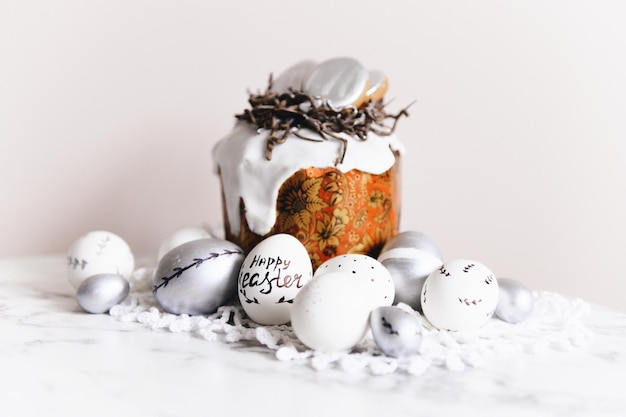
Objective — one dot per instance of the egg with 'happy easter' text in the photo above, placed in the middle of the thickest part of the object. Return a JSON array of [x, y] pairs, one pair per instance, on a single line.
[[460, 295], [271, 276], [331, 312], [368, 272], [197, 277], [98, 252]]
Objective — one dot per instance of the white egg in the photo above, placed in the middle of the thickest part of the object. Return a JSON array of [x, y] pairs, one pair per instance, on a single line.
[[331, 313], [98, 252], [367, 271], [197, 277], [272, 274], [460, 295], [181, 236]]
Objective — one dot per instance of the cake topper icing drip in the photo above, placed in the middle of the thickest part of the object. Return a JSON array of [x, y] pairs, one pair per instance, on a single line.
[[286, 113]]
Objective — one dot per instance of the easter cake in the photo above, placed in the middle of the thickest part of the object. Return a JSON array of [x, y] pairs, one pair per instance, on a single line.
[[312, 259], [315, 156]]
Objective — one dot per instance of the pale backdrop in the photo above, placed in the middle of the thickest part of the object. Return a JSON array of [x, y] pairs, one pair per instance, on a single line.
[[516, 141]]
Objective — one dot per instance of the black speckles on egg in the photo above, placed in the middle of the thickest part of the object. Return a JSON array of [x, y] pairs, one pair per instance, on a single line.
[[367, 270]]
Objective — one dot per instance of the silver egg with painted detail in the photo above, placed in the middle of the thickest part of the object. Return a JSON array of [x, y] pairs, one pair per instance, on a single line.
[[98, 293], [516, 301], [197, 277], [410, 257], [396, 332]]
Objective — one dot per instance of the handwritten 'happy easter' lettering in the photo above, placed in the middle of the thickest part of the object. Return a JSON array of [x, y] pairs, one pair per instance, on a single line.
[[275, 277], [269, 262]]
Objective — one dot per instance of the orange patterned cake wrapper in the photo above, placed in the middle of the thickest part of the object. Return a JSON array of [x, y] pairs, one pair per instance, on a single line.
[[332, 213]]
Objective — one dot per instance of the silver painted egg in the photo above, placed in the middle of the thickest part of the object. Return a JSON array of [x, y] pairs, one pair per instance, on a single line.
[[197, 277], [515, 302], [410, 257], [396, 332], [98, 293]]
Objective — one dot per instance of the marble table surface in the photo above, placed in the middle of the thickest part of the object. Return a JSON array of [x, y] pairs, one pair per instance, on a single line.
[[56, 360]]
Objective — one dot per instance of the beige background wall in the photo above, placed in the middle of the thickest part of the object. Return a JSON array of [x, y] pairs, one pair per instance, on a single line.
[[516, 142]]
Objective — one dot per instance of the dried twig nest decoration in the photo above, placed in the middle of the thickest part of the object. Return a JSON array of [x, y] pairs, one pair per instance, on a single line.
[[286, 113]]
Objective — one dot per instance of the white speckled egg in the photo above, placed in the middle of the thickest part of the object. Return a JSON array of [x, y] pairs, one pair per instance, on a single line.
[[410, 257], [197, 277], [516, 301], [368, 272], [98, 252], [396, 332], [181, 236], [98, 293], [331, 313], [460, 295], [272, 274]]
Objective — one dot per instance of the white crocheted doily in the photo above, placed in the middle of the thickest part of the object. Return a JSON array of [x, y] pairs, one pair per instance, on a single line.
[[555, 324]]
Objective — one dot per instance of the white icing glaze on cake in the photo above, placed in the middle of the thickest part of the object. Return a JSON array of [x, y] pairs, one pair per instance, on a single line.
[[239, 158]]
